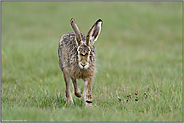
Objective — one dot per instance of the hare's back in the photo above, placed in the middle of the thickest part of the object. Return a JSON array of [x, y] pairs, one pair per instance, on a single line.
[[67, 49], [68, 40]]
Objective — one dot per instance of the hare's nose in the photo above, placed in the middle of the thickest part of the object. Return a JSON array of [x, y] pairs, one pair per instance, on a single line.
[[83, 64]]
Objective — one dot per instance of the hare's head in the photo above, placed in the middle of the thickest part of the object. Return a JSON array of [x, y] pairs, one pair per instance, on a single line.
[[85, 45]]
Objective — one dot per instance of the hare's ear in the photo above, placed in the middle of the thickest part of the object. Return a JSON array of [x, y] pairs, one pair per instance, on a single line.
[[94, 32], [76, 31]]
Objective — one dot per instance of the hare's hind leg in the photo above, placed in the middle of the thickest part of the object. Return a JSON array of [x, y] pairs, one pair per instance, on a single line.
[[87, 93], [68, 93], [77, 90]]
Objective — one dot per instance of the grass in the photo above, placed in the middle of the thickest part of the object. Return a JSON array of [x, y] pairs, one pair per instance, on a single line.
[[139, 62]]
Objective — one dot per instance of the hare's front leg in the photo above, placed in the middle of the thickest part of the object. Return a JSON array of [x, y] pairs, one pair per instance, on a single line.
[[68, 93], [87, 93], [77, 90]]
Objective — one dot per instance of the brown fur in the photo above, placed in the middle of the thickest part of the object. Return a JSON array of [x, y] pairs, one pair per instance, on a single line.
[[77, 60]]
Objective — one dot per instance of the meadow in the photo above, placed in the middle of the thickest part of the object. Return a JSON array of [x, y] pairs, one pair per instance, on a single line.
[[139, 61]]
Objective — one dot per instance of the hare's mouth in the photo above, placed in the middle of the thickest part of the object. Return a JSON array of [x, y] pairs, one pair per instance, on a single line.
[[83, 65]]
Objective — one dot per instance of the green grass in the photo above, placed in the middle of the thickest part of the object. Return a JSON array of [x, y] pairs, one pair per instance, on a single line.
[[139, 53]]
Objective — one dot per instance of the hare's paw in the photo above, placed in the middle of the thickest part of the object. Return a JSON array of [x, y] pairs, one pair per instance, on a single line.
[[69, 101], [78, 94], [89, 100], [69, 97]]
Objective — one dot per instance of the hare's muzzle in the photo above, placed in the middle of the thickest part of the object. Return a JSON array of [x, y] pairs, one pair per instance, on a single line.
[[83, 65]]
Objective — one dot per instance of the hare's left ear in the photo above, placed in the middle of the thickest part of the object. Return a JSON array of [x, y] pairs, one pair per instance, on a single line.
[[94, 32]]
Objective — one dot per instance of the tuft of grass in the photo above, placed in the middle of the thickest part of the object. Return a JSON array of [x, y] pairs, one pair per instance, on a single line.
[[139, 61]]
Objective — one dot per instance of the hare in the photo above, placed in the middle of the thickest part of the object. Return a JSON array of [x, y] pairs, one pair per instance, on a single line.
[[77, 60]]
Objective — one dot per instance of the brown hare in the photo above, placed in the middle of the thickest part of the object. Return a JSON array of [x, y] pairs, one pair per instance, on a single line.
[[77, 60]]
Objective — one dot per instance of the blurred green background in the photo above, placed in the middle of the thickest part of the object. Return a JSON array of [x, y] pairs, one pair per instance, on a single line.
[[139, 50]]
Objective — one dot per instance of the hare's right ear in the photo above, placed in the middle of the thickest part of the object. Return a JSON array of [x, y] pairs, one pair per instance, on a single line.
[[94, 32], [76, 31]]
